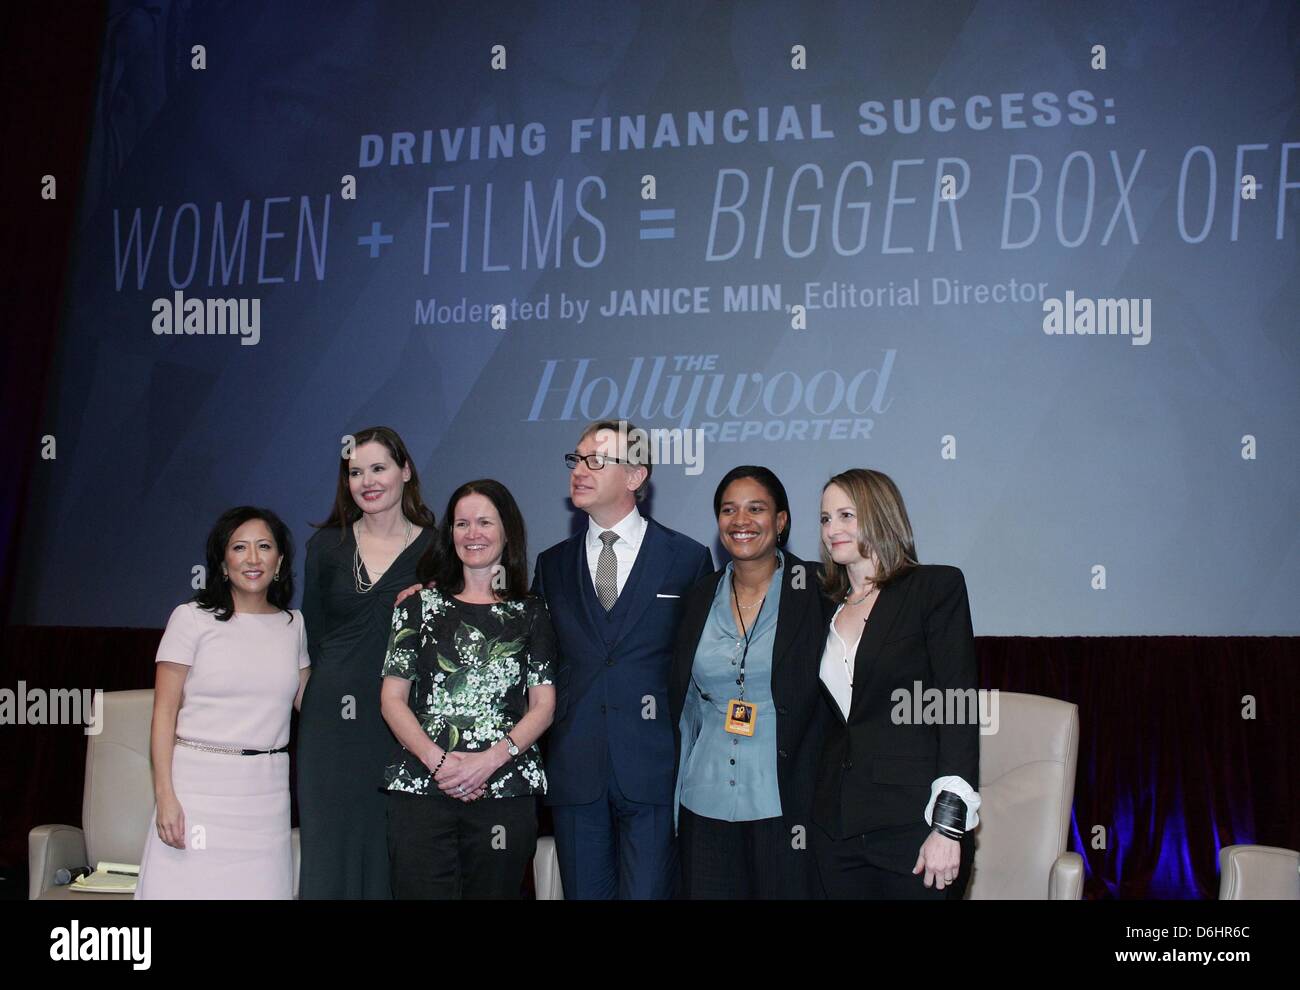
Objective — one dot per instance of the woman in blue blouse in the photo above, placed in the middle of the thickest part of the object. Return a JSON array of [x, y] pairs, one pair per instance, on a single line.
[[746, 705]]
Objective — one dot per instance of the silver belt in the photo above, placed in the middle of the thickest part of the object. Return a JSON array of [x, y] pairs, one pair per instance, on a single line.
[[228, 750]]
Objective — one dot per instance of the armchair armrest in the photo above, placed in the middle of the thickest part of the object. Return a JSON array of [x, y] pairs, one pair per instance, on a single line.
[[1066, 882], [51, 848]]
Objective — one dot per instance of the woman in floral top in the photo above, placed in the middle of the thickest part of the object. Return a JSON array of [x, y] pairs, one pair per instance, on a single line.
[[468, 692]]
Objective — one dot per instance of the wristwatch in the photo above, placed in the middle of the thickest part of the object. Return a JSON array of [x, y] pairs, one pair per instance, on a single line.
[[511, 747]]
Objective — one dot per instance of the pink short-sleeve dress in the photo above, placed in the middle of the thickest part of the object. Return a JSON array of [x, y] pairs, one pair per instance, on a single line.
[[238, 694]]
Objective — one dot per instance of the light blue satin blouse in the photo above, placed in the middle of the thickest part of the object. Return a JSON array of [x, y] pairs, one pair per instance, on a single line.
[[722, 775]]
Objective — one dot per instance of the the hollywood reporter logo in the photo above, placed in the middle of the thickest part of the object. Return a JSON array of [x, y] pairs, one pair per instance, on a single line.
[[179, 316], [690, 388]]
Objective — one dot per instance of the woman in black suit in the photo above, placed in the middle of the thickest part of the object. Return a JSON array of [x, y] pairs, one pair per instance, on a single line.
[[745, 705], [895, 797]]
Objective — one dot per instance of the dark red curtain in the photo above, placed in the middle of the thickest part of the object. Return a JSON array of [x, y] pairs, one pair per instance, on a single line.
[[1169, 768], [49, 55]]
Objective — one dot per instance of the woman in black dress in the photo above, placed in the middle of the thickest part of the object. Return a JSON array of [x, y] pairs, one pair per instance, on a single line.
[[361, 557]]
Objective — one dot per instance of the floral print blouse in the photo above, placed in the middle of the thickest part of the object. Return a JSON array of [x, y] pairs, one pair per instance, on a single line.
[[471, 667]]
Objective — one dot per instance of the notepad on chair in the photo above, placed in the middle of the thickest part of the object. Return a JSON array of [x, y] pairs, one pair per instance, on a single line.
[[108, 878]]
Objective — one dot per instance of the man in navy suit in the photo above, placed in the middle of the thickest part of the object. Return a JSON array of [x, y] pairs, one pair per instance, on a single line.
[[614, 591]]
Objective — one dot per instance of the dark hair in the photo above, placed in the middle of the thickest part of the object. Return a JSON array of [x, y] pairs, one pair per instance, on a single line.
[[439, 562], [346, 511], [883, 529], [635, 441], [768, 479], [215, 596]]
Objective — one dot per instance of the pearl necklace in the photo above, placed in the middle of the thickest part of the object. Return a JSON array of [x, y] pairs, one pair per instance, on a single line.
[[361, 584]]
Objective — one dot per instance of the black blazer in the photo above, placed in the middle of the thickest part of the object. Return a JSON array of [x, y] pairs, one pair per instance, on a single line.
[[802, 717], [876, 771]]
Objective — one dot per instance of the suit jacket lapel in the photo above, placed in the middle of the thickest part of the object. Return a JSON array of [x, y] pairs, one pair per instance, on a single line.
[[879, 622], [652, 560], [691, 629], [695, 618], [830, 700], [576, 571], [793, 610]]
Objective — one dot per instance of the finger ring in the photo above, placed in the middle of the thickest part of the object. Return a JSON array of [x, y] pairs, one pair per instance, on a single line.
[[460, 788]]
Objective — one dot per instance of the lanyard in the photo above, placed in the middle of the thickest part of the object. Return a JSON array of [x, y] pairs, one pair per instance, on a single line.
[[748, 634]]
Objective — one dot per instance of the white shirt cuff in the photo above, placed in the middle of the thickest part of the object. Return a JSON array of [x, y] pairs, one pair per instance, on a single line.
[[963, 790]]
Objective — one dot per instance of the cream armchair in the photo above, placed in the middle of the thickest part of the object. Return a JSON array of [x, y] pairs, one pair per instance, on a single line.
[[1259, 873], [1026, 790], [116, 805]]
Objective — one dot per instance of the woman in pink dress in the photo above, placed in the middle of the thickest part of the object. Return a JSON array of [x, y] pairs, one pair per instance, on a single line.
[[230, 668]]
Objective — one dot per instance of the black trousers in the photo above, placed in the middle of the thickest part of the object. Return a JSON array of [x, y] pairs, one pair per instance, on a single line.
[[440, 848], [758, 860], [877, 865]]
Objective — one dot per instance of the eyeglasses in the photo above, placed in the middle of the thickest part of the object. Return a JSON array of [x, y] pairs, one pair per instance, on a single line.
[[594, 462]]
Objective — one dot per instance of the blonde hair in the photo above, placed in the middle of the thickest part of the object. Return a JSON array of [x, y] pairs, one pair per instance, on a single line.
[[883, 530], [636, 447]]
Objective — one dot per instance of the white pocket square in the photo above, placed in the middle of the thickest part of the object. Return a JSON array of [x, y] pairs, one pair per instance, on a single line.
[[662, 595]]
